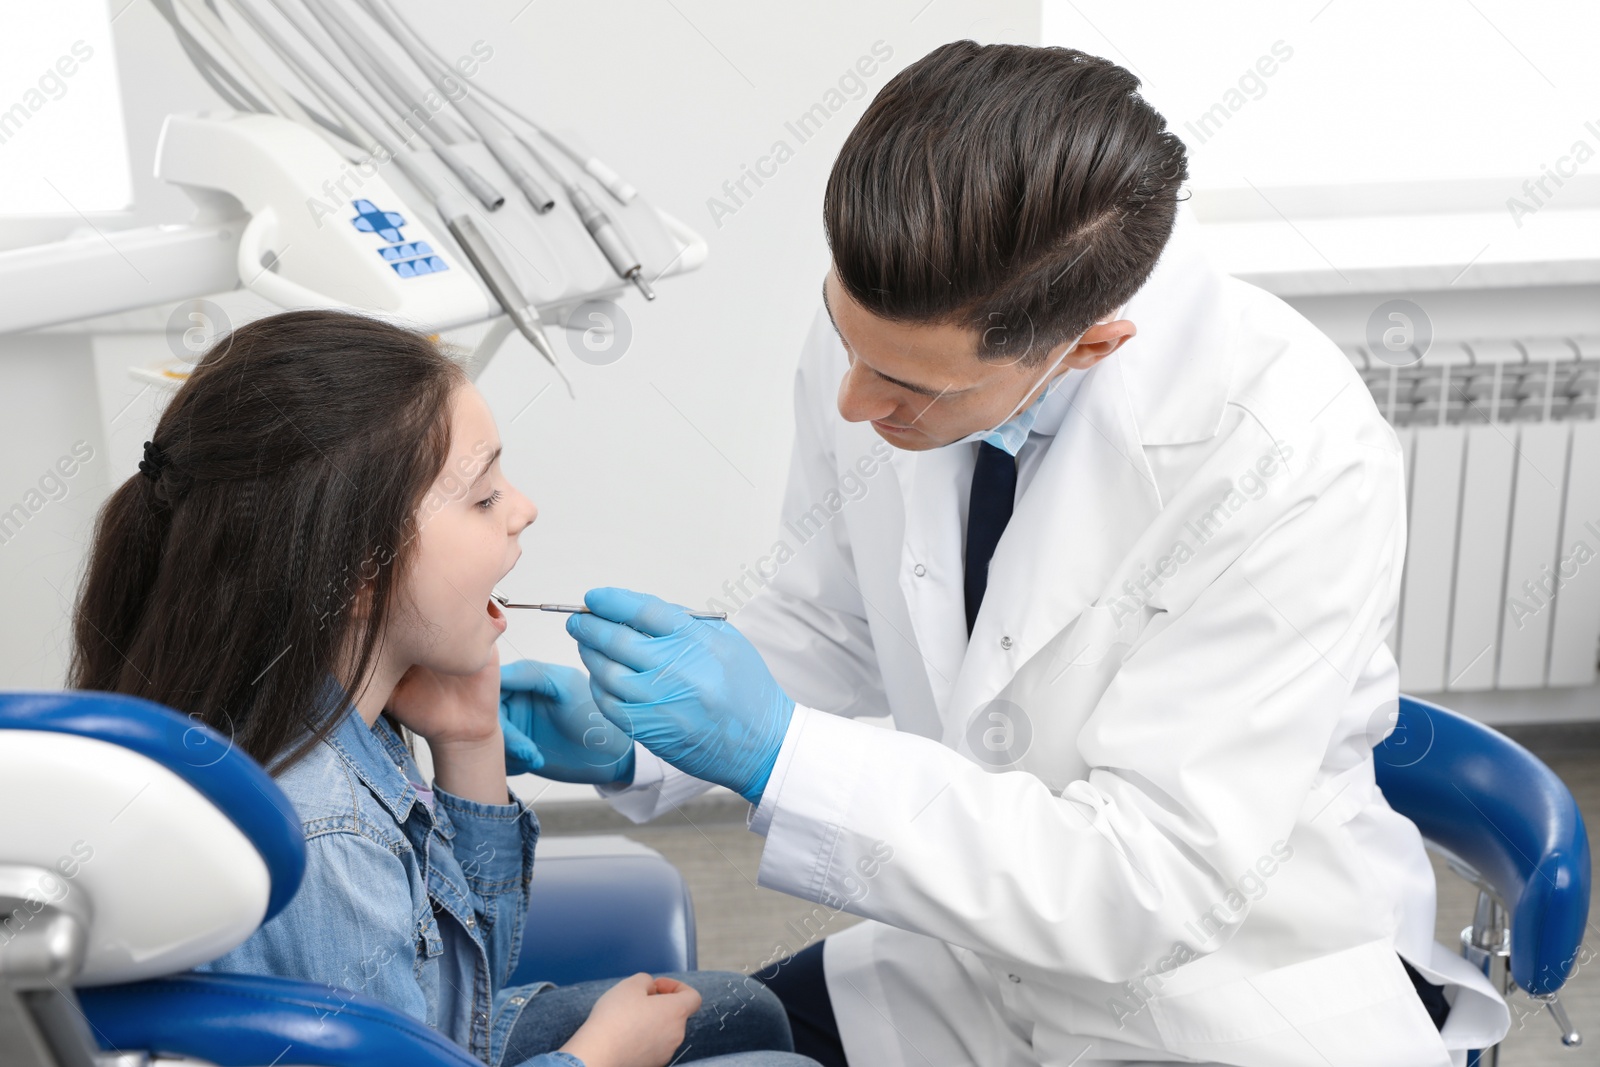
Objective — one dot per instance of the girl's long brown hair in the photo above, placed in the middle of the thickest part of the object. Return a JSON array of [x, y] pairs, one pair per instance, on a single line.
[[264, 561]]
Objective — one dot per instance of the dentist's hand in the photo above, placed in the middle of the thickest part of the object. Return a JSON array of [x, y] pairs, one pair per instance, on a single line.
[[693, 691], [553, 728]]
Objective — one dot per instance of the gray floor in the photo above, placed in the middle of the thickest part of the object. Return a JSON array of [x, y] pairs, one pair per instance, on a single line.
[[743, 926]]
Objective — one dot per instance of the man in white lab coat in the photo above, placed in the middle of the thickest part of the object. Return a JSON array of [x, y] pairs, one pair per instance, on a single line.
[[1116, 541]]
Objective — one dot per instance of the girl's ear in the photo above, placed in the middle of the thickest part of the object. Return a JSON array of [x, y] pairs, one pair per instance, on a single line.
[[361, 604]]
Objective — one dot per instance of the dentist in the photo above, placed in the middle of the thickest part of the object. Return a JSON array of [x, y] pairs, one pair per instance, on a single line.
[[1128, 552]]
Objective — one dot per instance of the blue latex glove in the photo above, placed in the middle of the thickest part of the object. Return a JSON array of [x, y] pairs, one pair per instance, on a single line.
[[553, 728], [693, 691]]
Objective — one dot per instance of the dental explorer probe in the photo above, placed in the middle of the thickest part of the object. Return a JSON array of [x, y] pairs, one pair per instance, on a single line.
[[578, 609], [451, 208]]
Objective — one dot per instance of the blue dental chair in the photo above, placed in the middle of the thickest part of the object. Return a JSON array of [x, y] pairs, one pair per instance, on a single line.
[[140, 844], [1506, 823]]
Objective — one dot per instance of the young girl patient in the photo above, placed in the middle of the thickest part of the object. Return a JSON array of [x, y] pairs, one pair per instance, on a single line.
[[304, 562]]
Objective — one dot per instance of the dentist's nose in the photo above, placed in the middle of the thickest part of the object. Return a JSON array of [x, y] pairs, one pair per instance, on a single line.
[[862, 397]]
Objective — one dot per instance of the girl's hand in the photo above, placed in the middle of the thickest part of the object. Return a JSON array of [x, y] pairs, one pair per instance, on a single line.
[[446, 709], [459, 717], [639, 1022]]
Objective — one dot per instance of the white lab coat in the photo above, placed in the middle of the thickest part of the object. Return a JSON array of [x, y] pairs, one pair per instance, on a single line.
[[1189, 859]]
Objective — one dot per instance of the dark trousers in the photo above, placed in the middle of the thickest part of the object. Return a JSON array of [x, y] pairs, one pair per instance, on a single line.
[[801, 987], [799, 983]]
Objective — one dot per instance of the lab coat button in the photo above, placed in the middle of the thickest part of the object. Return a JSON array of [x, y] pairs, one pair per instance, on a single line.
[[919, 570], [1013, 977], [1005, 643]]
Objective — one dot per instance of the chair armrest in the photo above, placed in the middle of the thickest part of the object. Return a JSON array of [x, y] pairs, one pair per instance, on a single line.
[[604, 907], [240, 1020]]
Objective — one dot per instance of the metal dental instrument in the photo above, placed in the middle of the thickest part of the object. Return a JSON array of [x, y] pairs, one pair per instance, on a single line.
[[578, 609], [390, 85], [500, 282], [602, 229], [494, 133], [452, 208], [590, 165], [605, 234]]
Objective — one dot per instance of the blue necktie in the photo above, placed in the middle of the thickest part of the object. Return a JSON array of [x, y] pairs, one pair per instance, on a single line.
[[994, 494]]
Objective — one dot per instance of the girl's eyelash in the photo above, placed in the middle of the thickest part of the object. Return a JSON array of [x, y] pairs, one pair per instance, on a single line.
[[490, 501]]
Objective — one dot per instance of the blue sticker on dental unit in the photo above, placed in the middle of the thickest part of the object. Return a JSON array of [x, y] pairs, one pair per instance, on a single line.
[[408, 258]]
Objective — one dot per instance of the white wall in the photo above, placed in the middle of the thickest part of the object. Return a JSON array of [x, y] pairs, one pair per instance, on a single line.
[[1370, 91], [678, 96]]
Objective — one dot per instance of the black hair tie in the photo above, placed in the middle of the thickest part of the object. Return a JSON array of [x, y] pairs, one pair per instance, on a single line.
[[153, 462]]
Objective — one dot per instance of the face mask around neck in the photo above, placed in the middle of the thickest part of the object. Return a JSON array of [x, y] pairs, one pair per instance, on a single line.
[[1010, 433]]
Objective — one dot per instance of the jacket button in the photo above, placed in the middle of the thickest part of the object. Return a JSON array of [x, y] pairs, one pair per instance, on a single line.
[[1005, 642], [1013, 977], [471, 922], [517, 1000], [919, 570]]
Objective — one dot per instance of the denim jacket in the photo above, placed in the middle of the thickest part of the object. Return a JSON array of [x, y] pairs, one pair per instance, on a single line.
[[420, 910]]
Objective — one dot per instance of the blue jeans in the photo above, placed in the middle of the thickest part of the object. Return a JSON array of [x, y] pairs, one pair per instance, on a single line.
[[740, 1023]]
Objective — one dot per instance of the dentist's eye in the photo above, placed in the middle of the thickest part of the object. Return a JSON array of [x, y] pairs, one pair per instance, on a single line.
[[489, 501]]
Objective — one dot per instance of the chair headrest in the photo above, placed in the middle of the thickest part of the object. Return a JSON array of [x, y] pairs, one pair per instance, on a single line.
[[181, 843]]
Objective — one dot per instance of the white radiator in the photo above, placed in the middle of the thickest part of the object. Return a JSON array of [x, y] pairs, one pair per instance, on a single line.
[[1502, 577]]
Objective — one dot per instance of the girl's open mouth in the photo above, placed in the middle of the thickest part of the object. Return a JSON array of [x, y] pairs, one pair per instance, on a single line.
[[496, 616]]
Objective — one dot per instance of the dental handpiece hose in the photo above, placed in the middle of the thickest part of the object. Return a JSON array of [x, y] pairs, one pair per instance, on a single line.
[[494, 132], [390, 87], [489, 129]]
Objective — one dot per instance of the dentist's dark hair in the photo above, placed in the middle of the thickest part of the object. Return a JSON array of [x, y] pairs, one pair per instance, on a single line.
[[1020, 192], [260, 559]]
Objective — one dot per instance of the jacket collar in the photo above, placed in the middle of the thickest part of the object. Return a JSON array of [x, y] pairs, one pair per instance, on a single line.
[[1178, 368], [376, 755]]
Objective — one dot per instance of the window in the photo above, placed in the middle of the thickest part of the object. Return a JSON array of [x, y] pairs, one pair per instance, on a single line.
[[1330, 92], [62, 146]]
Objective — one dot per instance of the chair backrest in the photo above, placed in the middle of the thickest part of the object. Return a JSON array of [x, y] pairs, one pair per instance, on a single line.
[[1494, 805], [604, 907], [179, 842]]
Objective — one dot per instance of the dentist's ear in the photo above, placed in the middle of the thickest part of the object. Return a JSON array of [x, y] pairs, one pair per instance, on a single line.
[[1098, 342]]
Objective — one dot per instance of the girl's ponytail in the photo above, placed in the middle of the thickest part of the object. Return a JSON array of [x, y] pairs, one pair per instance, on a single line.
[[130, 535]]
